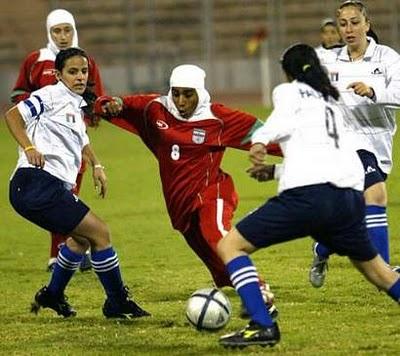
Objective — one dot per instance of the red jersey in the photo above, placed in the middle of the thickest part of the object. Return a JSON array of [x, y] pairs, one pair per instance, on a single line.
[[189, 153], [37, 71]]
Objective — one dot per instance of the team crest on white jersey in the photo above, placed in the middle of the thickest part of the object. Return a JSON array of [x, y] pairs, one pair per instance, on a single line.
[[199, 136], [162, 125]]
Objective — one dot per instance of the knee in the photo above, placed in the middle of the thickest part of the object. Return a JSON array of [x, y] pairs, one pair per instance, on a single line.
[[226, 248], [221, 247], [104, 234], [376, 195], [77, 246]]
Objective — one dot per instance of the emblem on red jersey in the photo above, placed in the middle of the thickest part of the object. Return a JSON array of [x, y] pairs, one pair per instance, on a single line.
[[162, 125], [199, 136]]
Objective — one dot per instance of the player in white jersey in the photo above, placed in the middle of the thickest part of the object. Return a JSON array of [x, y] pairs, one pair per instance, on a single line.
[[50, 131], [320, 192], [367, 76]]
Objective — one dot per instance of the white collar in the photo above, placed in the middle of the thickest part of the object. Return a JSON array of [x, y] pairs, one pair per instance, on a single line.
[[369, 52], [77, 99]]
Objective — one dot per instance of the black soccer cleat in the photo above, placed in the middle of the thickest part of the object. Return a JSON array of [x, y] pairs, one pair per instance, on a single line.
[[123, 307], [44, 299], [252, 334]]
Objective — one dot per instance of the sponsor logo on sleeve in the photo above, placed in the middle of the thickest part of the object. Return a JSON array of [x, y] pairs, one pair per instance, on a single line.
[[49, 71]]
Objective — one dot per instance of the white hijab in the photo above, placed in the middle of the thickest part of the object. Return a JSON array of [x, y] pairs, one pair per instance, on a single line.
[[57, 17], [190, 76]]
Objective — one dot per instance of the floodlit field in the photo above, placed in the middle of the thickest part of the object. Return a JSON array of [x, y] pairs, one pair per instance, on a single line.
[[346, 317]]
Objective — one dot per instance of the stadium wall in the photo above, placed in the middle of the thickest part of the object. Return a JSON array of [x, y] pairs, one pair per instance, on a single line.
[[138, 42]]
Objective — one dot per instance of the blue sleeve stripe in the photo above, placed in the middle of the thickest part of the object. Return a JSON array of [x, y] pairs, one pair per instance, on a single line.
[[40, 103], [31, 107], [34, 108]]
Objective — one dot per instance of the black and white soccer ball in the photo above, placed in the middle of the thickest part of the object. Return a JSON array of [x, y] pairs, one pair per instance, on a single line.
[[208, 309]]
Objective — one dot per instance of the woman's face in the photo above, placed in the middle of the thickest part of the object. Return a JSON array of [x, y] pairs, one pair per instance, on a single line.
[[330, 36], [62, 35], [353, 26], [75, 74], [185, 100]]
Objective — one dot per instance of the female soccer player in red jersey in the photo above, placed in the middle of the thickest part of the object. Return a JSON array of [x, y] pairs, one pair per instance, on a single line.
[[37, 71], [188, 135]]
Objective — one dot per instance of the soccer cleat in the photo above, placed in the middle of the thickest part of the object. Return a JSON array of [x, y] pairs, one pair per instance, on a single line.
[[51, 264], [44, 299], [252, 334], [318, 270], [268, 297], [86, 264], [123, 307]]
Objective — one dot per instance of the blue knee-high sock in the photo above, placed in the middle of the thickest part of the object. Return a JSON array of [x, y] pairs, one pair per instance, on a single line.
[[106, 265], [394, 291], [321, 250], [377, 227], [66, 265], [245, 279]]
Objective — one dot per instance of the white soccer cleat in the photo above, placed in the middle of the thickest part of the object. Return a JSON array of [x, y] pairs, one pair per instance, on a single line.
[[318, 269]]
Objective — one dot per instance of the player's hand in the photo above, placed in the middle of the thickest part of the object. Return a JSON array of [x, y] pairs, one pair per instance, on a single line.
[[100, 180], [257, 154], [34, 157], [113, 107], [262, 173], [361, 89]]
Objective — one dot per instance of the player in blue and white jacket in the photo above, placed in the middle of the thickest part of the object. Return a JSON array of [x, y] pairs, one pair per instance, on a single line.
[[320, 192], [51, 133], [367, 76]]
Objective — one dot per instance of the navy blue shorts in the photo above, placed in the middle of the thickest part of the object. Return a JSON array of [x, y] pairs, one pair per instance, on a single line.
[[331, 215], [373, 174], [42, 199]]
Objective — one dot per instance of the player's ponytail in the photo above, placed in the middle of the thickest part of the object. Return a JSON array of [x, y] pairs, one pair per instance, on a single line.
[[300, 62]]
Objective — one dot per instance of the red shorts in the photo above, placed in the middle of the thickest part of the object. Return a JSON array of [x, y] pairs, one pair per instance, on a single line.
[[209, 223]]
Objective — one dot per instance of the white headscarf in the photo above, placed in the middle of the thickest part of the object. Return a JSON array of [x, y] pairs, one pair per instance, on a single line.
[[190, 76], [57, 17]]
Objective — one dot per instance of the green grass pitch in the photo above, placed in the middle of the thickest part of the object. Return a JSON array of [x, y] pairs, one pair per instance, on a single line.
[[346, 317]]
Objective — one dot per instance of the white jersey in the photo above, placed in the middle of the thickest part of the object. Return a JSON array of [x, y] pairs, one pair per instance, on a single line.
[[321, 51], [314, 142], [373, 119], [54, 124]]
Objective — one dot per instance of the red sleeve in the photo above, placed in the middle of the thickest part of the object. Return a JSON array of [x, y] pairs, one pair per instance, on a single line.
[[23, 86], [274, 149], [238, 128], [133, 114], [94, 80]]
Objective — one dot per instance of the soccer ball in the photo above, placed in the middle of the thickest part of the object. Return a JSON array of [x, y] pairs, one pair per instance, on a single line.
[[208, 309]]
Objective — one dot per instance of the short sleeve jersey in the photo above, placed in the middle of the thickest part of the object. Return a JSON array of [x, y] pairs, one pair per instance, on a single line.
[[54, 124]]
